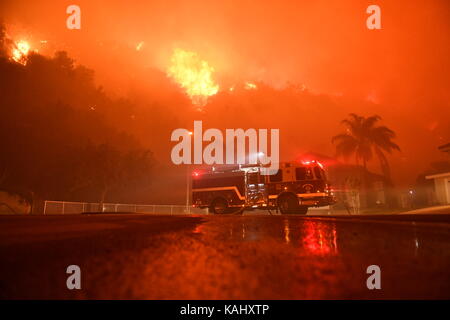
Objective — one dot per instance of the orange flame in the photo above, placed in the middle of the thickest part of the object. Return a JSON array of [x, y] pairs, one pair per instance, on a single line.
[[194, 75], [20, 52], [250, 86], [139, 46]]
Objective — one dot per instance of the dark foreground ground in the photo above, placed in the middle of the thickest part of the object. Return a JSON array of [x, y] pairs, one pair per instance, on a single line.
[[224, 257]]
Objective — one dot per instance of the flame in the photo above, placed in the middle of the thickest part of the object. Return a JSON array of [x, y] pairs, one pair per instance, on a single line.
[[194, 75], [139, 46], [20, 52], [250, 86]]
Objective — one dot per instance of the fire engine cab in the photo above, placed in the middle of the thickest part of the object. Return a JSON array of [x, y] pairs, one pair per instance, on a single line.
[[293, 189]]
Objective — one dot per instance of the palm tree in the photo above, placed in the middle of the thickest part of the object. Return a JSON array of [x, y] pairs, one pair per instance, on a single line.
[[363, 138]]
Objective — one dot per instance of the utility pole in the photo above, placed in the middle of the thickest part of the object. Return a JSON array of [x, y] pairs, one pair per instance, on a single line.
[[187, 188], [188, 177]]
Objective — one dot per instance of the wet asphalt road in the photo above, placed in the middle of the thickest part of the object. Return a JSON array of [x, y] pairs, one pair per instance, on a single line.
[[132, 256]]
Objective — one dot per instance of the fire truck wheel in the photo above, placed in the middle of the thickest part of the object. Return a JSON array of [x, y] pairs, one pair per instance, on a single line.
[[219, 206], [288, 204], [302, 210]]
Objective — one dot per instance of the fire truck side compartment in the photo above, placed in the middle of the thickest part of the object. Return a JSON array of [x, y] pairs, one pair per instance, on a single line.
[[210, 186]]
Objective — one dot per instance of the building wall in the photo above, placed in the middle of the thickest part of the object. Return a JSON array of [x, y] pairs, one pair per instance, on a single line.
[[442, 187]]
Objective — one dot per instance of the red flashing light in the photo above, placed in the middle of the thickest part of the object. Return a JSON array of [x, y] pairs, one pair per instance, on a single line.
[[310, 162]]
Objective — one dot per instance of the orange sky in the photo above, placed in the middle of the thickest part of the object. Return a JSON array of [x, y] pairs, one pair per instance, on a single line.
[[401, 71]]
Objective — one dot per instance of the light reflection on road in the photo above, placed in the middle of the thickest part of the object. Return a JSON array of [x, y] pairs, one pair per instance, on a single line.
[[311, 237], [320, 238], [226, 257], [286, 231]]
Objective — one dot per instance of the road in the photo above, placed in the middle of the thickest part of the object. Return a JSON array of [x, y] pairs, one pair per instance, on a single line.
[[131, 256]]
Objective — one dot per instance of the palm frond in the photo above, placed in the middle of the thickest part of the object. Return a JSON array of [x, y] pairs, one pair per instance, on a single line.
[[382, 138], [342, 136], [369, 122], [354, 124], [345, 145], [363, 137]]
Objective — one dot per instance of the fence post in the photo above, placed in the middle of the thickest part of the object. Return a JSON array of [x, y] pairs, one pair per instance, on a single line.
[[45, 206], [63, 205]]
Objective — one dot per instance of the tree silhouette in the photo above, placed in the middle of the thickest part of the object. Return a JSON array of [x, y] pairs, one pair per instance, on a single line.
[[364, 138], [56, 132], [2, 40], [103, 168]]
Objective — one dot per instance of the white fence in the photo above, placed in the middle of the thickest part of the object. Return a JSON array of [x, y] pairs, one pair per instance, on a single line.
[[65, 207]]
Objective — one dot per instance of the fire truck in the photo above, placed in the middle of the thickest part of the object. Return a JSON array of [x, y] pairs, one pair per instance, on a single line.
[[292, 190]]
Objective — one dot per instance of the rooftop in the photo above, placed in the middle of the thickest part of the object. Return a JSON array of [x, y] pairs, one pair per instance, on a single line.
[[445, 147]]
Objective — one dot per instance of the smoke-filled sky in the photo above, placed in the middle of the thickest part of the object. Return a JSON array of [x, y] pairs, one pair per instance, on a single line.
[[402, 71]]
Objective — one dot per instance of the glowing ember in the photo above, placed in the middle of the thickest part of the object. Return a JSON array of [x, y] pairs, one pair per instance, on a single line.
[[194, 75], [250, 86], [20, 52], [139, 46]]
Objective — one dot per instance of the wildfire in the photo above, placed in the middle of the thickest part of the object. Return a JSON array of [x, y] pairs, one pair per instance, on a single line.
[[139, 46], [20, 52], [250, 86], [194, 75]]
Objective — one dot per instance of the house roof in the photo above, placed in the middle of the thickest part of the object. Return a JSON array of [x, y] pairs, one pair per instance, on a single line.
[[445, 147], [439, 175]]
